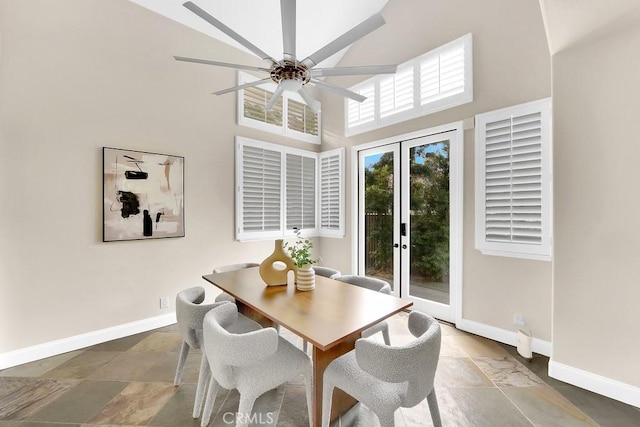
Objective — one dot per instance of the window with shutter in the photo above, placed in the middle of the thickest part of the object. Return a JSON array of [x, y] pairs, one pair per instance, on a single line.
[[396, 92], [301, 192], [513, 181], [439, 79], [255, 99], [260, 188], [301, 119], [281, 188], [331, 196], [290, 116], [361, 113]]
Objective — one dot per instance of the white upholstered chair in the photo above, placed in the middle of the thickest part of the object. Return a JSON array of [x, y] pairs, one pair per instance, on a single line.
[[385, 378], [231, 267], [331, 273], [190, 312], [252, 362], [377, 285]]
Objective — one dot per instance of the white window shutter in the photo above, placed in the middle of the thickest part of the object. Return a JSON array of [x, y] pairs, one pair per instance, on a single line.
[[300, 192], [331, 193], [437, 80], [301, 119], [359, 113], [396, 92], [259, 201], [513, 181]]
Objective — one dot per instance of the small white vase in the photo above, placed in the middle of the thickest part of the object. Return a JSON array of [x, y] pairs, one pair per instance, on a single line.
[[305, 278]]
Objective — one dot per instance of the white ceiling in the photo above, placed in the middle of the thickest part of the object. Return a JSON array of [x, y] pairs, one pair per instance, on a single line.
[[259, 21], [567, 22]]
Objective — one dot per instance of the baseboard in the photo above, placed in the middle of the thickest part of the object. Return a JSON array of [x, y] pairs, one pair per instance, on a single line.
[[596, 383], [502, 335], [53, 348]]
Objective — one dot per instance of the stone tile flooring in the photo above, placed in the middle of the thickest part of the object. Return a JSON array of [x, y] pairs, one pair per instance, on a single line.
[[129, 382]]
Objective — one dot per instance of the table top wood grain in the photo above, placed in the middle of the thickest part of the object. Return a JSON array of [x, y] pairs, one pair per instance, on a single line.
[[324, 316]]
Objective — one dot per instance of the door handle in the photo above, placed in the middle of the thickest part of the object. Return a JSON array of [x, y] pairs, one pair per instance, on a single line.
[[395, 245], [404, 246]]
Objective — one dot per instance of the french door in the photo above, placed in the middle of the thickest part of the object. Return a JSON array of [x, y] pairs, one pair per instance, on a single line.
[[409, 219]]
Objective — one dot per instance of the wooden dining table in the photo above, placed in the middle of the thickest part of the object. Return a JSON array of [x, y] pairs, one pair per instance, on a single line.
[[330, 317]]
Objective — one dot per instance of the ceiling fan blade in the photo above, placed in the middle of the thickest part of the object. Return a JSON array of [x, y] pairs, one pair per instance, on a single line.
[[357, 32], [242, 86], [277, 94], [312, 103], [353, 71], [288, 11], [221, 64], [339, 90], [228, 31]]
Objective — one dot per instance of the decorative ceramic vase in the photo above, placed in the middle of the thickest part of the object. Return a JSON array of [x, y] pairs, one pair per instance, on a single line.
[[272, 275], [305, 278]]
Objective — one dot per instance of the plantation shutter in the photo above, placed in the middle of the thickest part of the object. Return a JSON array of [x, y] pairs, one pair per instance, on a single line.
[[396, 92], [260, 190], [331, 197], [300, 192], [442, 74], [255, 99], [359, 113], [301, 119], [514, 154]]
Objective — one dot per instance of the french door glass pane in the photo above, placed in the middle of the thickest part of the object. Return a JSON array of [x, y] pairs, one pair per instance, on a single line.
[[429, 221], [378, 215]]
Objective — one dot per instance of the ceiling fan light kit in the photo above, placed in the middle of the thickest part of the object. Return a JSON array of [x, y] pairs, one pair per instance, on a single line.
[[290, 74]]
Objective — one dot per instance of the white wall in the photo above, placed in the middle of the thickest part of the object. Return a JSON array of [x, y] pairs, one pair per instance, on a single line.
[[77, 75], [597, 232], [511, 66]]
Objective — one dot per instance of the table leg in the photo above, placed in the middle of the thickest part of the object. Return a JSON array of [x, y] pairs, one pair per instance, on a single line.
[[341, 400]]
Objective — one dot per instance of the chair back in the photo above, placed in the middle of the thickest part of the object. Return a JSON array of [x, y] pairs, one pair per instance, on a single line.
[[367, 282], [189, 314], [233, 267], [414, 363], [226, 350], [326, 271]]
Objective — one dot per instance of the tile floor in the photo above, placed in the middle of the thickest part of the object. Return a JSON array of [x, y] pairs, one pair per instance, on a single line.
[[129, 382]]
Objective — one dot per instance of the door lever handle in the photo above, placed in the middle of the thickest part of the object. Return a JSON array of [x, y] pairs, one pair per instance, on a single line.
[[404, 246], [395, 245]]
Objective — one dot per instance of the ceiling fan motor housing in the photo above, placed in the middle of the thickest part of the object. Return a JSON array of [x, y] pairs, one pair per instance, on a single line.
[[289, 70]]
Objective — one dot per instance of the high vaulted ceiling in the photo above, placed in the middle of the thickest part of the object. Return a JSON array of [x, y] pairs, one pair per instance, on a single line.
[[259, 21], [567, 22]]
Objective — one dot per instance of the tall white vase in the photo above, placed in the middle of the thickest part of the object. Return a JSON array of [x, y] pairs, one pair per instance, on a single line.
[[305, 278]]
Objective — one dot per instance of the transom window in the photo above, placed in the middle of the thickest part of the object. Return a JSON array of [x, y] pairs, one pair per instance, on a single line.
[[437, 80], [290, 116]]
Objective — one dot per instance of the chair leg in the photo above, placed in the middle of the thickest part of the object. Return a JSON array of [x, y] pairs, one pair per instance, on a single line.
[[327, 397], [203, 378], [308, 385], [385, 335], [244, 410], [433, 408], [208, 406], [184, 351]]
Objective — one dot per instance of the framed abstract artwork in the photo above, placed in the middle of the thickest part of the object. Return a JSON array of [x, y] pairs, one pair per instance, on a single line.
[[143, 195]]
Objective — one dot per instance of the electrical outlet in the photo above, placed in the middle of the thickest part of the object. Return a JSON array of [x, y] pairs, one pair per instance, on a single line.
[[164, 302], [518, 320]]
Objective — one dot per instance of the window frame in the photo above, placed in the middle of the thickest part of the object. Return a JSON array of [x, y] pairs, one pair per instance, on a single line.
[[544, 250], [418, 109], [283, 232], [271, 128]]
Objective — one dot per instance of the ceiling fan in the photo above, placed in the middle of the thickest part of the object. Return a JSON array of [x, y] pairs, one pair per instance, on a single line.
[[291, 74]]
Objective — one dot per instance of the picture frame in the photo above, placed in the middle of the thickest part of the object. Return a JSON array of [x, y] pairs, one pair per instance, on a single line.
[[143, 195]]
